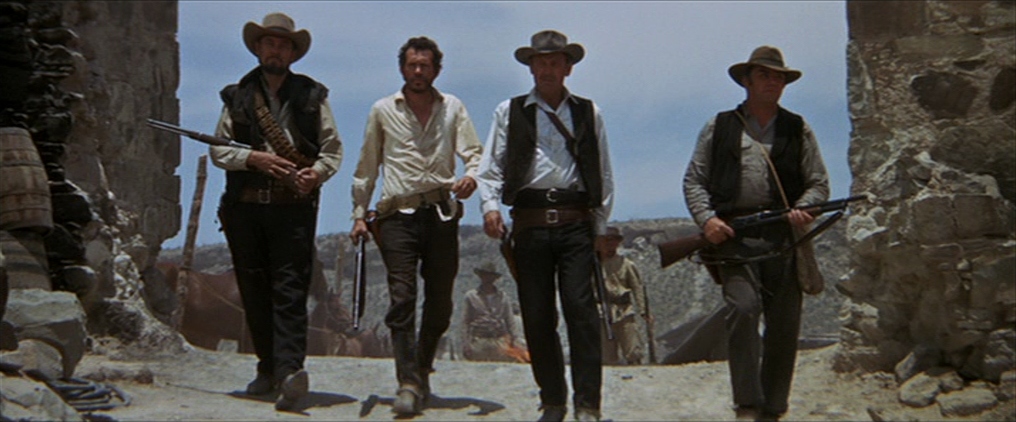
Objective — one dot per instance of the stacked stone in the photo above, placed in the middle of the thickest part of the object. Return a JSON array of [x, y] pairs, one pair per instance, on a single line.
[[931, 87]]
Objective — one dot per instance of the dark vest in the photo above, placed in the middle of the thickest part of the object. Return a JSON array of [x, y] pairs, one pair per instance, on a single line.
[[521, 148], [304, 96], [725, 172]]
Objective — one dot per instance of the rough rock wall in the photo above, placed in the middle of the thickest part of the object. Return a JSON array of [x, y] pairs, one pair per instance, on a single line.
[[127, 69], [931, 87]]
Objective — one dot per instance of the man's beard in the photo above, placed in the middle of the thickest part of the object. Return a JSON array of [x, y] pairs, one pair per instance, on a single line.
[[274, 70]]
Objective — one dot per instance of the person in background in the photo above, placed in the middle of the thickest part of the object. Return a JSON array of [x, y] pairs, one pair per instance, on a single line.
[[626, 299]]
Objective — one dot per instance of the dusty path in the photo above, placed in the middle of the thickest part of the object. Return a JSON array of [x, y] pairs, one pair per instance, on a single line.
[[203, 385]]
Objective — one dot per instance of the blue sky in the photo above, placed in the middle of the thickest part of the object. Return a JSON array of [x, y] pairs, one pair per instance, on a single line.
[[658, 70]]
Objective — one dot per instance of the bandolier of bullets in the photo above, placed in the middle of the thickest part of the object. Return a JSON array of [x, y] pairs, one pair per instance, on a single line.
[[273, 133]]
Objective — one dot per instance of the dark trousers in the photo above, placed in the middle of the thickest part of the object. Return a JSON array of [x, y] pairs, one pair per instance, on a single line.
[[551, 262], [761, 370], [273, 253], [409, 242]]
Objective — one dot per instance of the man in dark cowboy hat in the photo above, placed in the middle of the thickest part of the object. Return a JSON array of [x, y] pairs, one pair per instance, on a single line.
[[757, 156], [487, 319], [269, 209], [547, 158]]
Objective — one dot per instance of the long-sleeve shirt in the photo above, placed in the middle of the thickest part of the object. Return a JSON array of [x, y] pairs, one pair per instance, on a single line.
[[624, 288], [756, 178], [329, 157], [416, 158], [553, 167]]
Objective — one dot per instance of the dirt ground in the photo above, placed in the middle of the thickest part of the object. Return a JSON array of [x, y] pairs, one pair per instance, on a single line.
[[206, 385]]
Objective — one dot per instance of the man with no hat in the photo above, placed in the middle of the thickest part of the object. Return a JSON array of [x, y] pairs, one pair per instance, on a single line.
[[754, 157], [269, 209], [547, 159], [415, 135]]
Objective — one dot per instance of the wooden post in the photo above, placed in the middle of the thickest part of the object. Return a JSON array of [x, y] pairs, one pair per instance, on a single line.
[[188, 247]]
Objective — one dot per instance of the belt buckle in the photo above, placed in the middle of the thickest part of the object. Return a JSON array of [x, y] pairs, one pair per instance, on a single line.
[[552, 216], [265, 196], [551, 195]]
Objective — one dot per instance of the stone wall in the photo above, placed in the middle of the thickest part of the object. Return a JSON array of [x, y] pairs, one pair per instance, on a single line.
[[931, 87], [80, 78]]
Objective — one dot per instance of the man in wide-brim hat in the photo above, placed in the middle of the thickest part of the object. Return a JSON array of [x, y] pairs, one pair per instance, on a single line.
[[269, 209], [757, 156], [547, 158], [487, 319]]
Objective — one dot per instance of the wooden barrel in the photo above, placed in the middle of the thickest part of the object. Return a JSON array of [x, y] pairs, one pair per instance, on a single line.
[[25, 260], [24, 188]]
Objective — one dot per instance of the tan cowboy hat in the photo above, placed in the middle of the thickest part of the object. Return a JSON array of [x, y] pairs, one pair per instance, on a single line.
[[765, 56], [279, 25], [486, 270], [549, 41]]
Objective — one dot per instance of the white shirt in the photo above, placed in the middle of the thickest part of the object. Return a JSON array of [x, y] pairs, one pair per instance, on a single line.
[[553, 166]]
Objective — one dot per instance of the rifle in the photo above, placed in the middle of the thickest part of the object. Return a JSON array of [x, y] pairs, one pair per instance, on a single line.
[[649, 326], [360, 275], [197, 136], [677, 249], [601, 290]]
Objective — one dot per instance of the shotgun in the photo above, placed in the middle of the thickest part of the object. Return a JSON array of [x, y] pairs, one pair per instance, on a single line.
[[675, 250], [360, 275], [197, 136]]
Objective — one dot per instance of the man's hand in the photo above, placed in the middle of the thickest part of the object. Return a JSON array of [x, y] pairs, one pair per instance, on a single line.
[[359, 231], [306, 180], [798, 218], [464, 188], [717, 231], [270, 164], [493, 225]]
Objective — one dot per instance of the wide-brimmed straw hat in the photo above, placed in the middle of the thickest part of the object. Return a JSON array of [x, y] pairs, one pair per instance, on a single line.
[[487, 270], [549, 41], [279, 25], [765, 56]]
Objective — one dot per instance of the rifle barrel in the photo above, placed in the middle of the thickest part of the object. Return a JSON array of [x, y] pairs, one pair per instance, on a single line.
[[197, 136]]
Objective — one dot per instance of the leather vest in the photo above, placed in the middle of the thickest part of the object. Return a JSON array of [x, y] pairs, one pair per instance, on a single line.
[[725, 172], [304, 96], [521, 148]]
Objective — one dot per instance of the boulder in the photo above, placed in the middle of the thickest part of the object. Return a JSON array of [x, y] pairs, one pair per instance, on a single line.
[[55, 318]]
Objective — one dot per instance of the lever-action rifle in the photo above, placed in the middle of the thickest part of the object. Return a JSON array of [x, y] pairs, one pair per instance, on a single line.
[[677, 249], [197, 136]]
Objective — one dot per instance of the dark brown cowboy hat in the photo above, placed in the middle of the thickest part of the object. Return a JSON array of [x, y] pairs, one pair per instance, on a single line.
[[279, 25], [765, 56], [549, 41]]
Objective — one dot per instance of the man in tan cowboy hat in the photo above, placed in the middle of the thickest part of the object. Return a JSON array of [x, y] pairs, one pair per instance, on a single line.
[[757, 156], [626, 299], [415, 135], [487, 319], [269, 209], [547, 158]]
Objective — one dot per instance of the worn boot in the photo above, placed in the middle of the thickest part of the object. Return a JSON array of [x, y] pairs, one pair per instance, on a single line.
[[294, 386], [587, 415], [262, 385], [407, 401], [553, 413]]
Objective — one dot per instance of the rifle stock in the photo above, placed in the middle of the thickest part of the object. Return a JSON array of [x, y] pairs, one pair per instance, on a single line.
[[675, 250]]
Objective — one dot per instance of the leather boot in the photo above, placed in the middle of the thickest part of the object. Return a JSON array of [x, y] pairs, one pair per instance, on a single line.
[[553, 413]]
